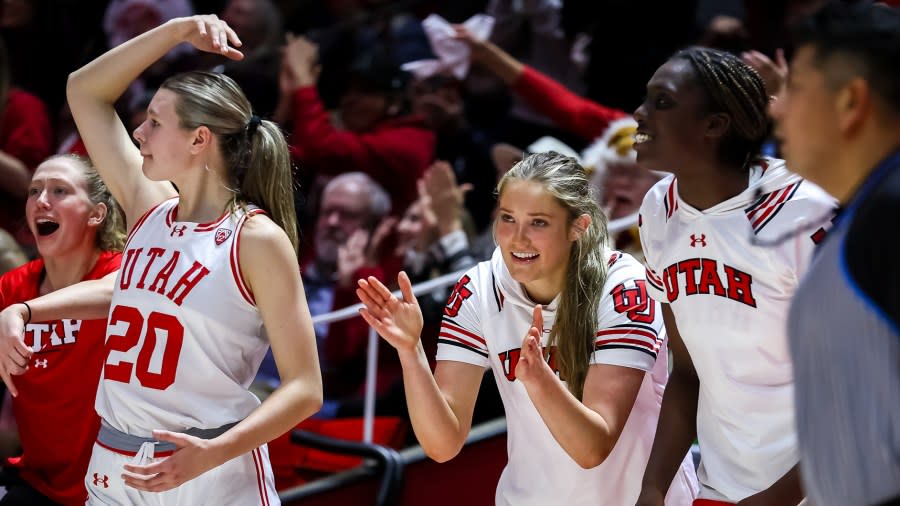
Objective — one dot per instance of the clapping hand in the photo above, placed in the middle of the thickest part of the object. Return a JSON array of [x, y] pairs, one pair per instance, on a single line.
[[532, 362], [397, 321]]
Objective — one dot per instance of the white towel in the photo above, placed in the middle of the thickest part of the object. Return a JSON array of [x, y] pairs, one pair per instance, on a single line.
[[453, 55]]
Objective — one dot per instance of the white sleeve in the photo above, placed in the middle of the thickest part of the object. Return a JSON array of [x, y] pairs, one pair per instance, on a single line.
[[630, 326], [800, 224], [461, 338], [646, 228], [819, 210]]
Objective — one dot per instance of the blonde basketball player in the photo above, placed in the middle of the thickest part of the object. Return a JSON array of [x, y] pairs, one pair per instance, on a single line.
[[205, 268], [577, 348]]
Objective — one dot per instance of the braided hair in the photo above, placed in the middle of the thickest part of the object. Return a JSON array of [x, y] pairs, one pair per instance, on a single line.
[[736, 89]]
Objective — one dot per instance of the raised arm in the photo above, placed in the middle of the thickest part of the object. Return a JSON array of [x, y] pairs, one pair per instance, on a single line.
[[567, 109], [440, 405], [93, 89]]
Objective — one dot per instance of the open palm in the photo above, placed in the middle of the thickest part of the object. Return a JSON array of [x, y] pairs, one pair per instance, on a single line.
[[398, 321]]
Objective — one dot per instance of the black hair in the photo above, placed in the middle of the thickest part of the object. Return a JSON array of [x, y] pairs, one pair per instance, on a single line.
[[734, 88], [866, 35]]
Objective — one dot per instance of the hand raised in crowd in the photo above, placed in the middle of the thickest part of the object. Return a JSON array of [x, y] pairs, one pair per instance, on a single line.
[[363, 249], [398, 321], [14, 355], [532, 362], [299, 64], [211, 34], [481, 48], [445, 198], [491, 56], [773, 73], [299, 68]]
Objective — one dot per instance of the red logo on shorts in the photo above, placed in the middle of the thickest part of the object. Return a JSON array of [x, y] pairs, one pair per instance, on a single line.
[[221, 235], [101, 481]]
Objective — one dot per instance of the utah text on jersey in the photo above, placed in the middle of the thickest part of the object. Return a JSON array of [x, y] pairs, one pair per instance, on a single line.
[[704, 276], [159, 264]]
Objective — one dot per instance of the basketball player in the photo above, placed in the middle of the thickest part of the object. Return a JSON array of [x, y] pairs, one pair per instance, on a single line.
[[839, 119], [577, 348], [185, 325], [79, 232], [724, 294]]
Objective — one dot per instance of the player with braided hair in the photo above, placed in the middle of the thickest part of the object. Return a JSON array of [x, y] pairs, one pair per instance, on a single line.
[[724, 295]]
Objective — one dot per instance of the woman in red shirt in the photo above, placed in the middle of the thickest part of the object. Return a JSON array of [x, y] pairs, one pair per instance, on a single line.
[[79, 233]]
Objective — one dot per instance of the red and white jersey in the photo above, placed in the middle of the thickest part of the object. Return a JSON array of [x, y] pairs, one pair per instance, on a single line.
[[485, 321], [730, 299], [184, 334]]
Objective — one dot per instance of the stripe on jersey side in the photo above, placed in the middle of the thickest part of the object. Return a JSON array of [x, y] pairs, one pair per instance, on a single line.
[[670, 201], [458, 336], [654, 280], [631, 335], [762, 213], [260, 477], [613, 258], [234, 257], [463, 346], [625, 347], [498, 295]]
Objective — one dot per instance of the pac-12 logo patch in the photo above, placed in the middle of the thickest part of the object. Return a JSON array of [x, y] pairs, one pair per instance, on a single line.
[[222, 234]]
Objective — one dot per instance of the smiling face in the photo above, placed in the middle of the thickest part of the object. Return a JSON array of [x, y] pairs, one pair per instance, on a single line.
[[534, 234], [163, 143], [672, 119], [58, 210]]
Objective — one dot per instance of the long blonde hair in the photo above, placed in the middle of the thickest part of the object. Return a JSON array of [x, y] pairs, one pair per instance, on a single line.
[[575, 326], [255, 152]]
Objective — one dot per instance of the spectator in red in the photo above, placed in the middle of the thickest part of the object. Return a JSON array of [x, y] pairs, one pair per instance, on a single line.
[[569, 111], [374, 136]]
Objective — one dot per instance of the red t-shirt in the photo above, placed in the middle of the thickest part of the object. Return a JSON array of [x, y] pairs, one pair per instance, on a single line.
[[55, 406]]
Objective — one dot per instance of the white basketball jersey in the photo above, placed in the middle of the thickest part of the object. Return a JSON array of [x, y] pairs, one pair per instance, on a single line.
[[730, 299], [184, 334], [485, 321]]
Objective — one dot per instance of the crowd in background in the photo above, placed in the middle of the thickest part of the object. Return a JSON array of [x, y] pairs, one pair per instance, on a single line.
[[393, 169]]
